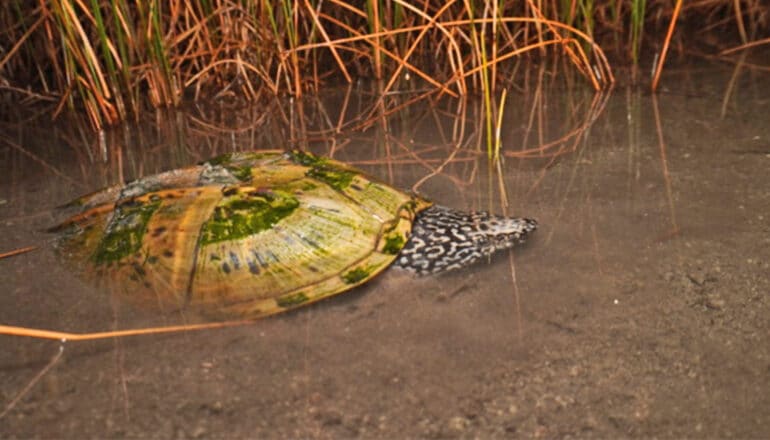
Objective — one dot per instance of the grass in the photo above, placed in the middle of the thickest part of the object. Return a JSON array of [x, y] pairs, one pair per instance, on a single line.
[[112, 60]]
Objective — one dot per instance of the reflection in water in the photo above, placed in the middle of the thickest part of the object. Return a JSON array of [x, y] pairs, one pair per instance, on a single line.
[[639, 307], [437, 150]]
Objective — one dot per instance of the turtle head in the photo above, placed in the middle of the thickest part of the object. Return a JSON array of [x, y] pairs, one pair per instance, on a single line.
[[494, 232], [443, 239]]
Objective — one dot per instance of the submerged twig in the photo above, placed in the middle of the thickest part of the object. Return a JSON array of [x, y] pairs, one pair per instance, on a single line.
[[57, 335], [32, 382], [17, 251]]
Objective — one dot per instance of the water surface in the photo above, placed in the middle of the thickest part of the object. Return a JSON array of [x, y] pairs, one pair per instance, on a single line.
[[639, 308]]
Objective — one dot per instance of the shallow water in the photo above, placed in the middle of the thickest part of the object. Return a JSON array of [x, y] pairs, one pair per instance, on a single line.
[[639, 308]]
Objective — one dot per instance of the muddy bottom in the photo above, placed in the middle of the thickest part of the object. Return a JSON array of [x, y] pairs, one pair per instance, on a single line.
[[639, 308]]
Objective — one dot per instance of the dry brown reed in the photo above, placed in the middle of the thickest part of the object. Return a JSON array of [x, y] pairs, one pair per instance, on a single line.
[[111, 60]]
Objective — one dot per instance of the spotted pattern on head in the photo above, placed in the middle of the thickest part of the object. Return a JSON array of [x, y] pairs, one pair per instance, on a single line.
[[444, 239]]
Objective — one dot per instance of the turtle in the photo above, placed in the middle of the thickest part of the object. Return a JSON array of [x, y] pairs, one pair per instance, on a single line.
[[251, 234]]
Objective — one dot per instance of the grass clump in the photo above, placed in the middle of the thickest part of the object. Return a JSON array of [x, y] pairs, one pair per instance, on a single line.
[[113, 59]]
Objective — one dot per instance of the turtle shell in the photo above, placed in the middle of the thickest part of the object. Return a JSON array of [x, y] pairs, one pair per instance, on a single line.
[[245, 234]]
